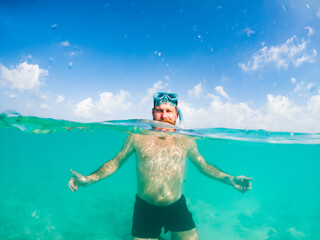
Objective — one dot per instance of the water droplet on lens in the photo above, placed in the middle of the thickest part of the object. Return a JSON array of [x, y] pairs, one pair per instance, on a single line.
[[10, 117]]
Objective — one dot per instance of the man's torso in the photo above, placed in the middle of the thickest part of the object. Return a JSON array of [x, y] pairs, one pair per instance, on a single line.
[[160, 166]]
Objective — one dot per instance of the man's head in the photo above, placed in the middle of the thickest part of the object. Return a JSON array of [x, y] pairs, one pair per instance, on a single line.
[[165, 107]]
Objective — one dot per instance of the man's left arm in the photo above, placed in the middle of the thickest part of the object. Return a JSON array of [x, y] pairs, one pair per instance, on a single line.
[[241, 183]]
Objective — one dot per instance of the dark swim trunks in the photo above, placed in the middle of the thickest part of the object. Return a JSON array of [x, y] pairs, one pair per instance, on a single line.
[[149, 219]]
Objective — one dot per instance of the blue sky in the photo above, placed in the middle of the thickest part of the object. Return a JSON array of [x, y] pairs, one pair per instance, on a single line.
[[237, 64]]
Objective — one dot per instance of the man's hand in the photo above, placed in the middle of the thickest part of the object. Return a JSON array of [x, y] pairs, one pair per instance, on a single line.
[[241, 183], [77, 180]]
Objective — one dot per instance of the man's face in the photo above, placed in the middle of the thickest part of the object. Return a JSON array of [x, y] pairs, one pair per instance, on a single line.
[[165, 113]]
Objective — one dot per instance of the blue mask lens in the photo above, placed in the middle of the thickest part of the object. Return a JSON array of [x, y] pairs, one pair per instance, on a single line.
[[161, 95], [165, 97]]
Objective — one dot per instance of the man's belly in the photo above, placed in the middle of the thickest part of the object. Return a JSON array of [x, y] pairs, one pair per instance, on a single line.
[[159, 194]]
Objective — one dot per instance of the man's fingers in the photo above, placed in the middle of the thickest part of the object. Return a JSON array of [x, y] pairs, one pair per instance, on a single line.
[[249, 187], [245, 178], [248, 178], [76, 180], [247, 183], [72, 186], [244, 181], [243, 188]]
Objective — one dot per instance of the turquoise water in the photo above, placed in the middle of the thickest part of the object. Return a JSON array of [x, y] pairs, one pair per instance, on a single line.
[[36, 203]]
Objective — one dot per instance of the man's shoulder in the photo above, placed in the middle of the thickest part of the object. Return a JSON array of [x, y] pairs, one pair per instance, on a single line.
[[189, 142], [133, 138]]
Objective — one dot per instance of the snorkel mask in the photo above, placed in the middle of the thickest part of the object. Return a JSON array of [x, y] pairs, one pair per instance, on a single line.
[[169, 98]]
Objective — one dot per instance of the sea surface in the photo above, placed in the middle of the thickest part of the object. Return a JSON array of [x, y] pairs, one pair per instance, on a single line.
[[36, 155]]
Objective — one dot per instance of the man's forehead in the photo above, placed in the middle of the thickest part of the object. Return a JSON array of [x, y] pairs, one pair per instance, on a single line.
[[165, 105]]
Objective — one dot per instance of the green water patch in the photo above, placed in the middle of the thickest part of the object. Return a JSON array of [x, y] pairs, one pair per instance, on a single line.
[[37, 125]]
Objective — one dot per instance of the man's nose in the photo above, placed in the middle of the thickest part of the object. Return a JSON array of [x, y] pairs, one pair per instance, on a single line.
[[165, 114]]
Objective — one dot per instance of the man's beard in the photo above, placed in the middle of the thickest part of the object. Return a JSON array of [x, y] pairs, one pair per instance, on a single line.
[[168, 121]]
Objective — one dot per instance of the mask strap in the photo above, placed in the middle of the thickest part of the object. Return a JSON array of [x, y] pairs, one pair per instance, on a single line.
[[180, 115]]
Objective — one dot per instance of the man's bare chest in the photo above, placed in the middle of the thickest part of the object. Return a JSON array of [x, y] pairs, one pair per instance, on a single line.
[[161, 148]]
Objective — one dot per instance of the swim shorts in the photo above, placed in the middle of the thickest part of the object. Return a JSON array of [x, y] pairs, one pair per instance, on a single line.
[[148, 219]]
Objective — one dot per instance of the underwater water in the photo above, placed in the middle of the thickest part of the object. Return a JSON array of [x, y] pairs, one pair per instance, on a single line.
[[36, 156]]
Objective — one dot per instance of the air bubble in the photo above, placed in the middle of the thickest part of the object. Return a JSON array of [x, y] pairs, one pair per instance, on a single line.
[[10, 117]]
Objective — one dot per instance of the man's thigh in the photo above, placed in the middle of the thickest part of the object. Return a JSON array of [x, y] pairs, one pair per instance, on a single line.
[[186, 235]]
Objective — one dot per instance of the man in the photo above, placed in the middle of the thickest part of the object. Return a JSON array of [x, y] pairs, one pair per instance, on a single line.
[[160, 160]]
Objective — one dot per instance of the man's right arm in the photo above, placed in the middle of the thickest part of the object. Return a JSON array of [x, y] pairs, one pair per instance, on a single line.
[[106, 169]]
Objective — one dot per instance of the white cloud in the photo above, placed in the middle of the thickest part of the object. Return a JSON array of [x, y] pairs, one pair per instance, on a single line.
[[310, 86], [248, 31], [310, 30], [292, 51], [293, 80], [217, 114], [65, 44], [279, 113], [109, 104], [306, 58], [303, 86], [60, 99], [24, 76], [76, 51], [280, 105], [196, 91], [313, 105], [84, 108], [27, 58], [43, 97], [44, 106], [219, 89]]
